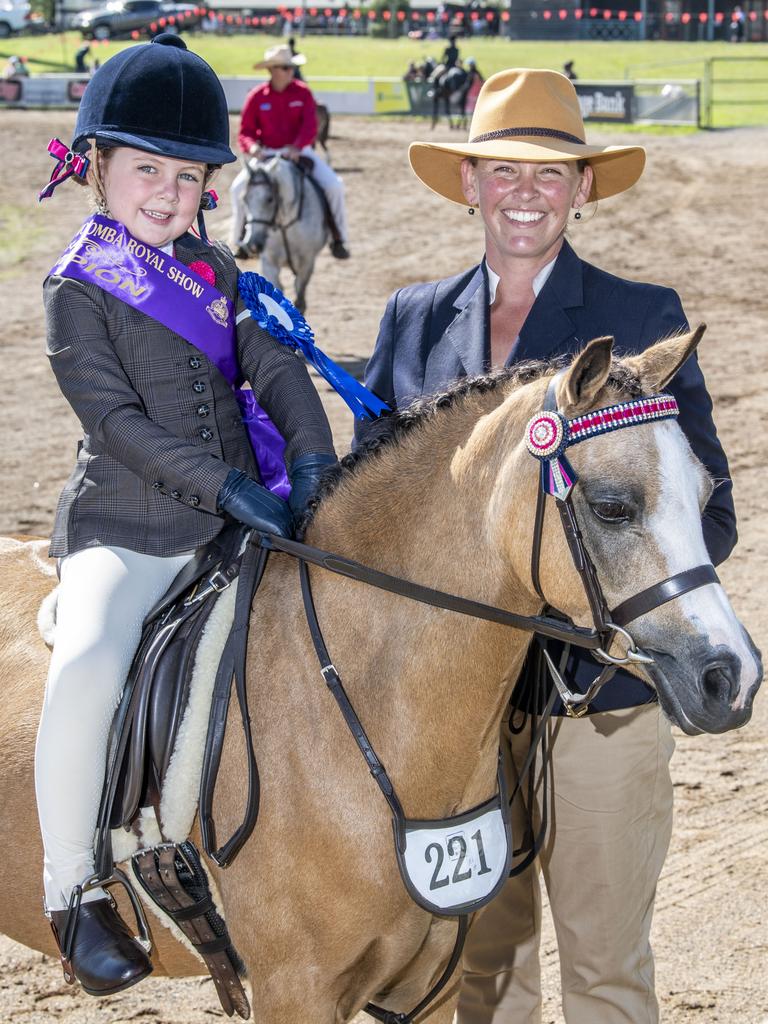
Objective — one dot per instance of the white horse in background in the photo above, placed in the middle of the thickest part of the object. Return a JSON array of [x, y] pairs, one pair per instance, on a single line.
[[285, 221]]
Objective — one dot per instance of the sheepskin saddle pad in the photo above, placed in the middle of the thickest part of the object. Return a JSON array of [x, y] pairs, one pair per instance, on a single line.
[[160, 727]]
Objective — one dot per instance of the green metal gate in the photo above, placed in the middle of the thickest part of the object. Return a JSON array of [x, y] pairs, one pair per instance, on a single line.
[[734, 91]]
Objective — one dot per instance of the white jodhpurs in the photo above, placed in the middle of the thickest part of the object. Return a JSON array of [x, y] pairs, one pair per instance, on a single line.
[[104, 596], [324, 175]]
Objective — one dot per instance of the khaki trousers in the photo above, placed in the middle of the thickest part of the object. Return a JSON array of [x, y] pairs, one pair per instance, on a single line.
[[610, 826]]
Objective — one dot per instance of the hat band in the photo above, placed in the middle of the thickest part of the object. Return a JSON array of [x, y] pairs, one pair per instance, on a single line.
[[547, 133]]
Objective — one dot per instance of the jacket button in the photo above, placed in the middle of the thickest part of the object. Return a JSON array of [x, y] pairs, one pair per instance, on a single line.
[[206, 434], [203, 410], [158, 484], [176, 495], [194, 501], [199, 387], [195, 363]]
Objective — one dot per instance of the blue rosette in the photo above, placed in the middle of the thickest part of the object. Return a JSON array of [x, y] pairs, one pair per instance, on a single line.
[[274, 313]]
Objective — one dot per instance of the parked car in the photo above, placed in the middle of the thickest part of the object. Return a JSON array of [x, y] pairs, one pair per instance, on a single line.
[[14, 17], [122, 17]]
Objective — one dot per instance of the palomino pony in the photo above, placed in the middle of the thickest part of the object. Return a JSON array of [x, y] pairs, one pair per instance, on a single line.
[[314, 901], [285, 222]]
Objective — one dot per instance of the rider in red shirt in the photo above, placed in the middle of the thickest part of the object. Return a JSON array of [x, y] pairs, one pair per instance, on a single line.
[[280, 116]]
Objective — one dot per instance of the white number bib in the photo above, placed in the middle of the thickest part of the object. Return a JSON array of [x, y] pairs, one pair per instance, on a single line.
[[456, 865]]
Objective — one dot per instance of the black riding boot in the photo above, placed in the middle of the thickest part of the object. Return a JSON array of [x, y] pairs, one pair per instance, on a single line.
[[102, 954]]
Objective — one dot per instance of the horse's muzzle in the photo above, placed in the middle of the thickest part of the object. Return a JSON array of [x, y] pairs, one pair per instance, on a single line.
[[707, 688], [255, 240]]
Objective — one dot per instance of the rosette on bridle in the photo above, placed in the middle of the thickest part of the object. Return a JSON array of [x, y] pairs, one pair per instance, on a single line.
[[546, 437], [274, 313], [549, 433]]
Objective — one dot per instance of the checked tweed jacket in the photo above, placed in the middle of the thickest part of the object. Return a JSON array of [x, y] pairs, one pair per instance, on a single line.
[[161, 427]]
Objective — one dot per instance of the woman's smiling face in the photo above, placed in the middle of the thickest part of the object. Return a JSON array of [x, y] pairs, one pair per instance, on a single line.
[[156, 197], [525, 206]]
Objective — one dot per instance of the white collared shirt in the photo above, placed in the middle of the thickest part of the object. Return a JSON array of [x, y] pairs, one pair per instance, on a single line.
[[538, 282]]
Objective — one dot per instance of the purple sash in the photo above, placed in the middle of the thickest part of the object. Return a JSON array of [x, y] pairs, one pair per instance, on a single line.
[[104, 253]]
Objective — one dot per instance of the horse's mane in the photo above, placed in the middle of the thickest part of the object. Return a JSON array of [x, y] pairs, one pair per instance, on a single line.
[[390, 428]]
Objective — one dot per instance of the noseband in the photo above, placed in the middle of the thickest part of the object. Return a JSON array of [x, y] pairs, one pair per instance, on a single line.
[[547, 436]]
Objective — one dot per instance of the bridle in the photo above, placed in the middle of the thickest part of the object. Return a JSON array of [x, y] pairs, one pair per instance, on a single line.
[[548, 435], [258, 177]]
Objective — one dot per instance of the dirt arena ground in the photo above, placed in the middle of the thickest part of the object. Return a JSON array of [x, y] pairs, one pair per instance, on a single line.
[[696, 222]]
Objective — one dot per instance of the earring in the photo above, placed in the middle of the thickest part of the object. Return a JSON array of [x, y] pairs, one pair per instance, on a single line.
[[577, 215], [471, 211]]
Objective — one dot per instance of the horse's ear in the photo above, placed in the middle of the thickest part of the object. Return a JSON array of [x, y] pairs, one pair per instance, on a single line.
[[658, 364], [586, 376]]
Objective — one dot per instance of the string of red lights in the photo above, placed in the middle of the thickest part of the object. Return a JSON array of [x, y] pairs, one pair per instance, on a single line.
[[295, 14]]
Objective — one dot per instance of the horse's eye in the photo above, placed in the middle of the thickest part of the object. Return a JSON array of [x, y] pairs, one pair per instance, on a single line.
[[610, 511]]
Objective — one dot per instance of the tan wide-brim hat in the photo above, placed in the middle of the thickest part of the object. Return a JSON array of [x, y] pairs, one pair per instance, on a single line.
[[280, 55], [532, 116]]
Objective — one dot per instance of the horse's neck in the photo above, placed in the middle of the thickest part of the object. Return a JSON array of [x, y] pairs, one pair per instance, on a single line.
[[430, 684]]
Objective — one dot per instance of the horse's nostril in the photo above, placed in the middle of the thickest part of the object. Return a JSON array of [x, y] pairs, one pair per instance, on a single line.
[[720, 680]]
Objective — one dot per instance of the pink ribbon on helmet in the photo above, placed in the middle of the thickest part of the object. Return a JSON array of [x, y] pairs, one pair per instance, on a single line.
[[69, 163]]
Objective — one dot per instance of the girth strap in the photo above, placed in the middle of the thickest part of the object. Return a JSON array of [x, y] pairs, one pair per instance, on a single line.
[[172, 875], [660, 593]]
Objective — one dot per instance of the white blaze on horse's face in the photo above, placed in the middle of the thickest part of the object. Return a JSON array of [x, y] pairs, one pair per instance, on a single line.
[[639, 501]]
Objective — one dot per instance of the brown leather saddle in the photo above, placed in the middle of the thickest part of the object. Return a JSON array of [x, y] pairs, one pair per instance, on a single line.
[[144, 734]]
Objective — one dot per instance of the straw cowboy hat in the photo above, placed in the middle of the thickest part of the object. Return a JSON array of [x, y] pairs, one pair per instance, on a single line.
[[533, 116], [280, 55]]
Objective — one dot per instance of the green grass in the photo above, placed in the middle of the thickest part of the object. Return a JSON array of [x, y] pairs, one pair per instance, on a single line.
[[332, 55]]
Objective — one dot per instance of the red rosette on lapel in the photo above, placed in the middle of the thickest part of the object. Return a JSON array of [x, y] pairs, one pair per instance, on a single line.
[[204, 270]]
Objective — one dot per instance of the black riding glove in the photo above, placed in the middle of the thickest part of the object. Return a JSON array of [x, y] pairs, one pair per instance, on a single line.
[[252, 504], [305, 474]]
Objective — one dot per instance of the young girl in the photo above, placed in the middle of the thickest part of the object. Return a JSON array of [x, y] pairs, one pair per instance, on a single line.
[[139, 316]]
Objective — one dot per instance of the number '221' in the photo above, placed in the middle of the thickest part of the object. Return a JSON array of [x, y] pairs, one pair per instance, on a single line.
[[456, 844]]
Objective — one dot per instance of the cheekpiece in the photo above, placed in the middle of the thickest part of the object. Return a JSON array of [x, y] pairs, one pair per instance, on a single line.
[[548, 434]]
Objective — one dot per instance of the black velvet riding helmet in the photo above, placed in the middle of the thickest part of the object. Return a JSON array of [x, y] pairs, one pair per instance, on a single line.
[[159, 97]]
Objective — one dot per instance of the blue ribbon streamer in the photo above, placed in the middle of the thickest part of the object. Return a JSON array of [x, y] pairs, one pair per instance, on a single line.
[[363, 403]]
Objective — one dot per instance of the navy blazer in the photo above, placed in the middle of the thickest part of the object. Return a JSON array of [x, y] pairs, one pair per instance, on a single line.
[[432, 334]]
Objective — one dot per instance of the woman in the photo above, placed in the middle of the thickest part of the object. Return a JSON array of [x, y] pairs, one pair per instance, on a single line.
[[528, 170]]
